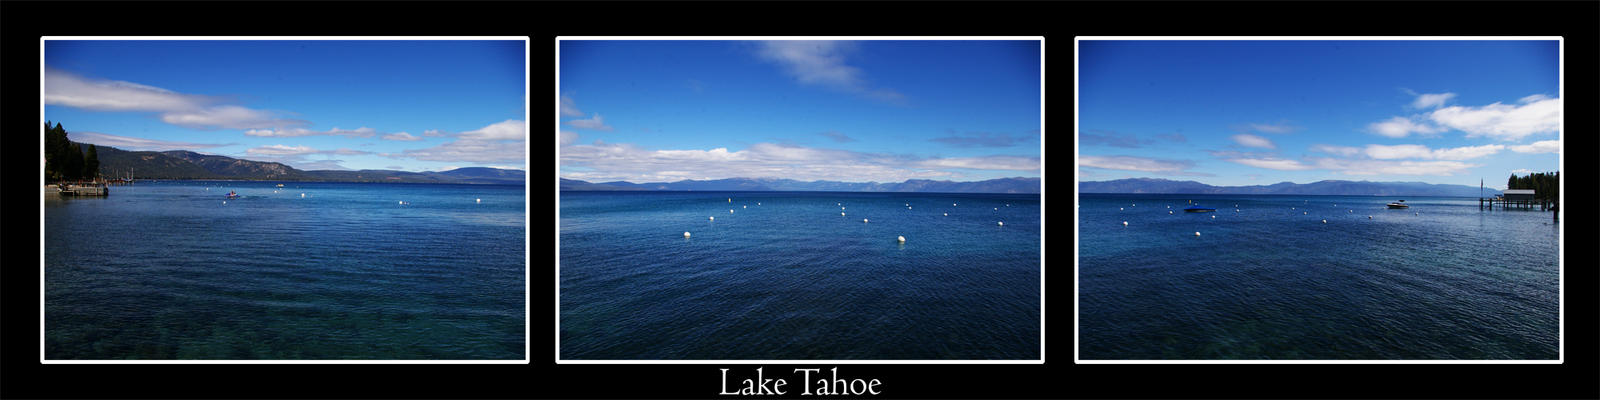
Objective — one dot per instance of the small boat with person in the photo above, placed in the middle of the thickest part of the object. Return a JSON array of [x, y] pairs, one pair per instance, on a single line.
[[232, 195], [1400, 204]]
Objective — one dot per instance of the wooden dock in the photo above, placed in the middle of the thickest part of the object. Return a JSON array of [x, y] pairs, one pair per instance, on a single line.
[[1487, 203], [97, 189]]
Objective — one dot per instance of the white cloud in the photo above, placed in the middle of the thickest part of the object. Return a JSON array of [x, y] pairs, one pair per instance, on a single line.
[[1543, 146], [501, 142], [606, 161], [402, 136], [1399, 127], [821, 62], [281, 150], [1248, 140], [1271, 163], [136, 144], [434, 133], [1522, 171], [187, 110], [1385, 167], [569, 108], [567, 138], [1435, 100], [364, 132], [1414, 151], [595, 123], [1537, 114]]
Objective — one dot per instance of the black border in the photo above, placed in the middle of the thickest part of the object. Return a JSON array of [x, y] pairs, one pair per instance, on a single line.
[[21, 376]]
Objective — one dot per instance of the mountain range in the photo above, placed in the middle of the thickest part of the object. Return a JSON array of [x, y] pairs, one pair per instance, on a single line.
[[181, 164], [1002, 185], [1328, 187]]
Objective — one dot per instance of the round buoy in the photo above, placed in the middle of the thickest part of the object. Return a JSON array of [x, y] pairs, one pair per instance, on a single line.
[[713, 218], [946, 214], [686, 234], [302, 195], [730, 211], [1002, 223], [758, 203], [902, 239], [1324, 221], [402, 202], [744, 206], [1303, 213], [1197, 233], [863, 220], [841, 214], [480, 200], [224, 202], [1169, 213], [1118, 209], [1213, 217], [1124, 223]]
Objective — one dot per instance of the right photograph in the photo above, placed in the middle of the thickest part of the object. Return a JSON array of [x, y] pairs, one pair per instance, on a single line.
[[1319, 199]]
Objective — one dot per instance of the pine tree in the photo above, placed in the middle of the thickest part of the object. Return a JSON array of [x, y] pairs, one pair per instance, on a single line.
[[91, 163]]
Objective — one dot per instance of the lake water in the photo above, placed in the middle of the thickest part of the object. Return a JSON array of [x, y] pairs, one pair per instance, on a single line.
[[167, 270], [1441, 280], [785, 277]]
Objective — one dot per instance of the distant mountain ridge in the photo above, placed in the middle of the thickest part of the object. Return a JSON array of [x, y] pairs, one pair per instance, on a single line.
[[1002, 185], [1327, 187], [182, 164]]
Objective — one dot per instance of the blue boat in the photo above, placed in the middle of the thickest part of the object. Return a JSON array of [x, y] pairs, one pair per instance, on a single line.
[[1198, 209]]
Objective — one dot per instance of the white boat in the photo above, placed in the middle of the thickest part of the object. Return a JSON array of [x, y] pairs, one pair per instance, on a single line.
[[1400, 204]]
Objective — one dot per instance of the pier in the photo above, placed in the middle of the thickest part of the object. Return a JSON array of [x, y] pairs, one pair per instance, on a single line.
[[95, 188]]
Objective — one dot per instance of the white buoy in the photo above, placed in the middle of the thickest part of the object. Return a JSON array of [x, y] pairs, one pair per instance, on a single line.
[[224, 202], [902, 239], [713, 218], [1118, 209], [730, 199], [1002, 223], [480, 200], [758, 203], [946, 214], [952, 204], [1197, 233], [302, 195], [1303, 213], [1124, 223], [1169, 213], [744, 206], [1213, 217], [1324, 221], [841, 214], [686, 234], [863, 220]]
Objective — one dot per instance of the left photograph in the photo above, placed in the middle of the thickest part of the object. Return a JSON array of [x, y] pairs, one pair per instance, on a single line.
[[258, 199]]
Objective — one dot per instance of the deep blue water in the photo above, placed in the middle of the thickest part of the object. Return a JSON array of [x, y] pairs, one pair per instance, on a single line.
[[1441, 280], [168, 271], [790, 278]]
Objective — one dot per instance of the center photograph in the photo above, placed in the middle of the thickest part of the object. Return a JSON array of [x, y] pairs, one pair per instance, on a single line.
[[789, 199]]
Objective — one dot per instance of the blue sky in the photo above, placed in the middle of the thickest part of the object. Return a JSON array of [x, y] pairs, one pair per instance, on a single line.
[[1261, 112], [312, 104], [856, 111]]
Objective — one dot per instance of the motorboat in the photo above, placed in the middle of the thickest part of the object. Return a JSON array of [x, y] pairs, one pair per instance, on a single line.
[[1399, 204]]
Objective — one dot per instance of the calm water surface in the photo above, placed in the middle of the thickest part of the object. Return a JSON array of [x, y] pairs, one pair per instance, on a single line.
[[784, 276], [168, 270], [1441, 280]]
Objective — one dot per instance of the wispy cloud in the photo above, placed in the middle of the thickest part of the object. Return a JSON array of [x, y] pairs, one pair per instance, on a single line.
[[501, 142], [1414, 151], [1399, 127], [1249, 140], [596, 123], [981, 139], [1346, 151], [187, 110], [1431, 100], [837, 137], [362, 132], [1532, 115], [569, 108], [1139, 164], [822, 63], [1543, 146], [402, 136], [138, 144], [1535, 114], [621, 161], [1097, 137], [1272, 163]]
